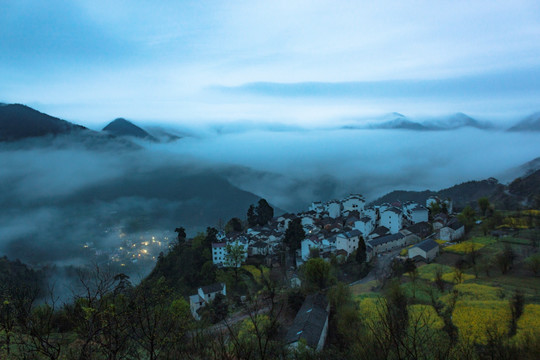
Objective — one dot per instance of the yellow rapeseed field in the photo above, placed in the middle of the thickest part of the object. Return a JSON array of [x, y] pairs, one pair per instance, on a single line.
[[475, 318], [464, 247], [529, 322]]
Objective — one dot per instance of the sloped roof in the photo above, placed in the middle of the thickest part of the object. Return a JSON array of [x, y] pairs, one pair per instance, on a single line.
[[427, 245], [454, 224], [209, 289], [386, 239], [381, 230], [421, 229], [309, 321]]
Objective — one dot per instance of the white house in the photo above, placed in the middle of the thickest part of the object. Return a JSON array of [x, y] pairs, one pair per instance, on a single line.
[[371, 213], [259, 248], [334, 209], [392, 218], [348, 241], [418, 214], [205, 295], [454, 230], [353, 202], [365, 225], [219, 251], [431, 200], [317, 206], [392, 241], [427, 250]]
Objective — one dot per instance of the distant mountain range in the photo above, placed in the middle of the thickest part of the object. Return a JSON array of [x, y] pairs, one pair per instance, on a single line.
[[530, 123], [401, 122]]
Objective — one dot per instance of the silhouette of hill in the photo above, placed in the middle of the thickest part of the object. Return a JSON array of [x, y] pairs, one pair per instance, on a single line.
[[20, 122], [123, 127], [530, 123]]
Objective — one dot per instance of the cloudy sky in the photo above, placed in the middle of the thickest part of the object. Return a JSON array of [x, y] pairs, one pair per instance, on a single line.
[[299, 62]]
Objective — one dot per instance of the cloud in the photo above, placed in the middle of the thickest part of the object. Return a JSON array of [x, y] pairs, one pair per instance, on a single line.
[[506, 83]]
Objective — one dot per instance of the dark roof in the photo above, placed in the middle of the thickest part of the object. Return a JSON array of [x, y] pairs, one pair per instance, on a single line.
[[422, 229], [454, 224], [386, 239], [259, 244], [394, 210], [365, 219], [208, 289], [381, 230], [309, 321], [427, 245]]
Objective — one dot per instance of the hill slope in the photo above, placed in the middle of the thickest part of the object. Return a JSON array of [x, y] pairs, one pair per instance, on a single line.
[[530, 123], [123, 127], [20, 122]]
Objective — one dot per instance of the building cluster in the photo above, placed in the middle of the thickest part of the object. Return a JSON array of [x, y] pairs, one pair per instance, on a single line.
[[334, 229]]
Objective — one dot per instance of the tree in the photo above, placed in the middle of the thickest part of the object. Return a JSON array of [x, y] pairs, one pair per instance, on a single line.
[[361, 251], [265, 212], [516, 309], [434, 208], [234, 257], [181, 234], [483, 204], [317, 274], [233, 225], [533, 263], [505, 259], [261, 214], [467, 217], [294, 234]]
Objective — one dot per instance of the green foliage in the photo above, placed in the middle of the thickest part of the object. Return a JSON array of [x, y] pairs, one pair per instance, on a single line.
[[261, 214], [234, 225], [316, 275], [467, 217], [361, 251], [294, 234], [235, 254], [483, 204]]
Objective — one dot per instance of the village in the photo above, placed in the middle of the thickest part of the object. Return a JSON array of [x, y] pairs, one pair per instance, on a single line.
[[334, 231]]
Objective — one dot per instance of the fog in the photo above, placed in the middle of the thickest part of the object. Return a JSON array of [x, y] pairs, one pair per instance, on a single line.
[[65, 203]]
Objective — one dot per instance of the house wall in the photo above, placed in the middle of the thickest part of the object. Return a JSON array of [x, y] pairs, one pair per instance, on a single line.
[[334, 210], [392, 221], [322, 339], [419, 216], [353, 204]]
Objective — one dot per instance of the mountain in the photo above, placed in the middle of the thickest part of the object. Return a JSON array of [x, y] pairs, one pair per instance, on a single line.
[[527, 188], [530, 123], [463, 194], [399, 121], [520, 171], [123, 127], [20, 122], [457, 121]]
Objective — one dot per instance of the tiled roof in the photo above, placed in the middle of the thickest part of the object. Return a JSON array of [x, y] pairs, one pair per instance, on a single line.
[[209, 289], [427, 245], [386, 239], [309, 321]]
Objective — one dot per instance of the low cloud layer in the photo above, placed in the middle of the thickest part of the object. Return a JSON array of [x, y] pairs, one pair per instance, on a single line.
[[58, 196]]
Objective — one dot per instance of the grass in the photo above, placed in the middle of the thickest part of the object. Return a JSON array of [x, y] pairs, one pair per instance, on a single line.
[[364, 288]]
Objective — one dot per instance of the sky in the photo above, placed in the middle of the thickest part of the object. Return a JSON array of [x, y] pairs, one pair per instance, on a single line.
[[294, 62]]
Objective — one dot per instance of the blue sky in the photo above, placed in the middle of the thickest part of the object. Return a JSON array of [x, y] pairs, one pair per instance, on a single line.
[[300, 62]]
